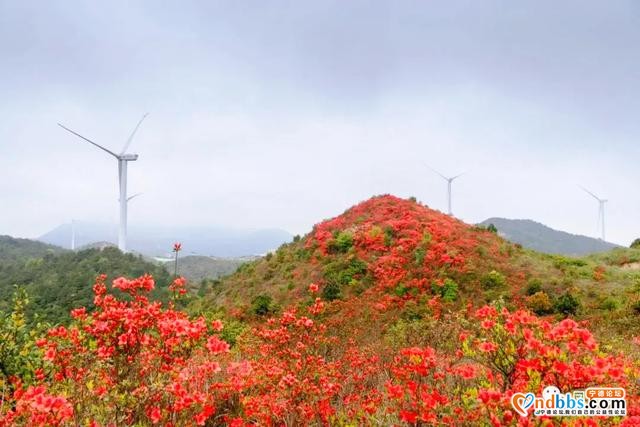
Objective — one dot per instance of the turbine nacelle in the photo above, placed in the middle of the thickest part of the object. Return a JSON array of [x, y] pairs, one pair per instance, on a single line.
[[128, 157]]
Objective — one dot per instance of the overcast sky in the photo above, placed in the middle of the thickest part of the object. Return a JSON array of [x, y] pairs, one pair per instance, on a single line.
[[282, 113]]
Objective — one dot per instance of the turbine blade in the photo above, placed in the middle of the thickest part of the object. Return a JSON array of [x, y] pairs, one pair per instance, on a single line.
[[135, 195], [443, 177], [589, 192], [88, 140], [458, 176], [126, 145]]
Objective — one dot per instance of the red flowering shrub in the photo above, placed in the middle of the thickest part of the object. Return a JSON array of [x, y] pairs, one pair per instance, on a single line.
[[503, 353], [296, 377], [133, 361], [35, 407]]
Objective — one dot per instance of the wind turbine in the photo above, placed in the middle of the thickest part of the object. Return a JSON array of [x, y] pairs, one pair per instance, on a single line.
[[449, 181], [73, 235], [601, 203], [123, 159]]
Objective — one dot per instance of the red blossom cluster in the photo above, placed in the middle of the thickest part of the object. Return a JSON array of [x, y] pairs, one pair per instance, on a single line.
[[404, 243], [142, 361]]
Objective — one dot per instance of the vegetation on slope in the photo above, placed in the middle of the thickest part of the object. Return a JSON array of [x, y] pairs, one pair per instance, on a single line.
[[389, 314], [58, 281]]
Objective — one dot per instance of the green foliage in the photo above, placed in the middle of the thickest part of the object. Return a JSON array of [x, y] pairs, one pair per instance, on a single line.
[[59, 282], [232, 330], [331, 291], [635, 244], [418, 256], [262, 305], [534, 286], [342, 272], [567, 304], [540, 303], [610, 304], [19, 355], [492, 228], [562, 262], [448, 291], [493, 280], [389, 234], [342, 242]]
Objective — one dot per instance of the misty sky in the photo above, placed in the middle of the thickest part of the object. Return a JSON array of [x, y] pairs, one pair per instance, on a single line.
[[282, 113]]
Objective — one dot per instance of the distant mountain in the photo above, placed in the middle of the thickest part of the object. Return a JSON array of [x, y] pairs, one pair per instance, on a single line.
[[12, 248], [195, 268], [541, 238], [158, 241]]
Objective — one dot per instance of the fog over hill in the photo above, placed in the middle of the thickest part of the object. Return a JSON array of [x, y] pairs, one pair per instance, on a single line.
[[158, 241], [539, 237]]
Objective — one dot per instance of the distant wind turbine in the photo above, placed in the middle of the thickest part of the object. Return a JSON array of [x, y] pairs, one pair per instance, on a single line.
[[601, 203], [449, 181], [122, 158], [73, 235]]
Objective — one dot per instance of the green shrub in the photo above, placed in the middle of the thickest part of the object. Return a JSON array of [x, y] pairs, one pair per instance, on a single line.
[[262, 305], [389, 234], [342, 272], [418, 256], [534, 286], [401, 290], [635, 244], [331, 291], [560, 261], [493, 280], [610, 304], [449, 291], [567, 304], [540, 303], [492, 228], [341, 243]]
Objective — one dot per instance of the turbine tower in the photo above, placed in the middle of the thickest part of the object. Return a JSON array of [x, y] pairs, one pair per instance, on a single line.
[[123, 158], [449, 181], [73, 235], [601, 203]]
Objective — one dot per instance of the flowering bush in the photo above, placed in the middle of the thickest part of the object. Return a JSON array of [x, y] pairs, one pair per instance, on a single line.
[[133, 361]]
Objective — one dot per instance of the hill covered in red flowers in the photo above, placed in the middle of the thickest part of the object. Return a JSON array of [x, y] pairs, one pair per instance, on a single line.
[[389, 314]]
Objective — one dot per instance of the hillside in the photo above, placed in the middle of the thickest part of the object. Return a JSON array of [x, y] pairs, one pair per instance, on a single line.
[[12, 248], [158, 241], [57, 280], [196, 268], [539, 237], [397, 254], [388, 314]]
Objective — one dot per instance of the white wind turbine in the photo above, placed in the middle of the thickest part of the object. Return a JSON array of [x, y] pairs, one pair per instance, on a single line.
[[122, 158], [601, 203], [449, 181], [73, 235]]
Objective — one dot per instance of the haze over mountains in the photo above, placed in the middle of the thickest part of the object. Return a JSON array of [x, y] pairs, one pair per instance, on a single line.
[[539, 237], [158, 241]]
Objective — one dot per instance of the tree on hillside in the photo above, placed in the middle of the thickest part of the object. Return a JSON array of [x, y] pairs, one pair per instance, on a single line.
[[636, 244]]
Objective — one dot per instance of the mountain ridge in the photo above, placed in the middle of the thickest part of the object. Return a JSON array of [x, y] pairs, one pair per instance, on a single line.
[[542, 238], [158, 241]]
